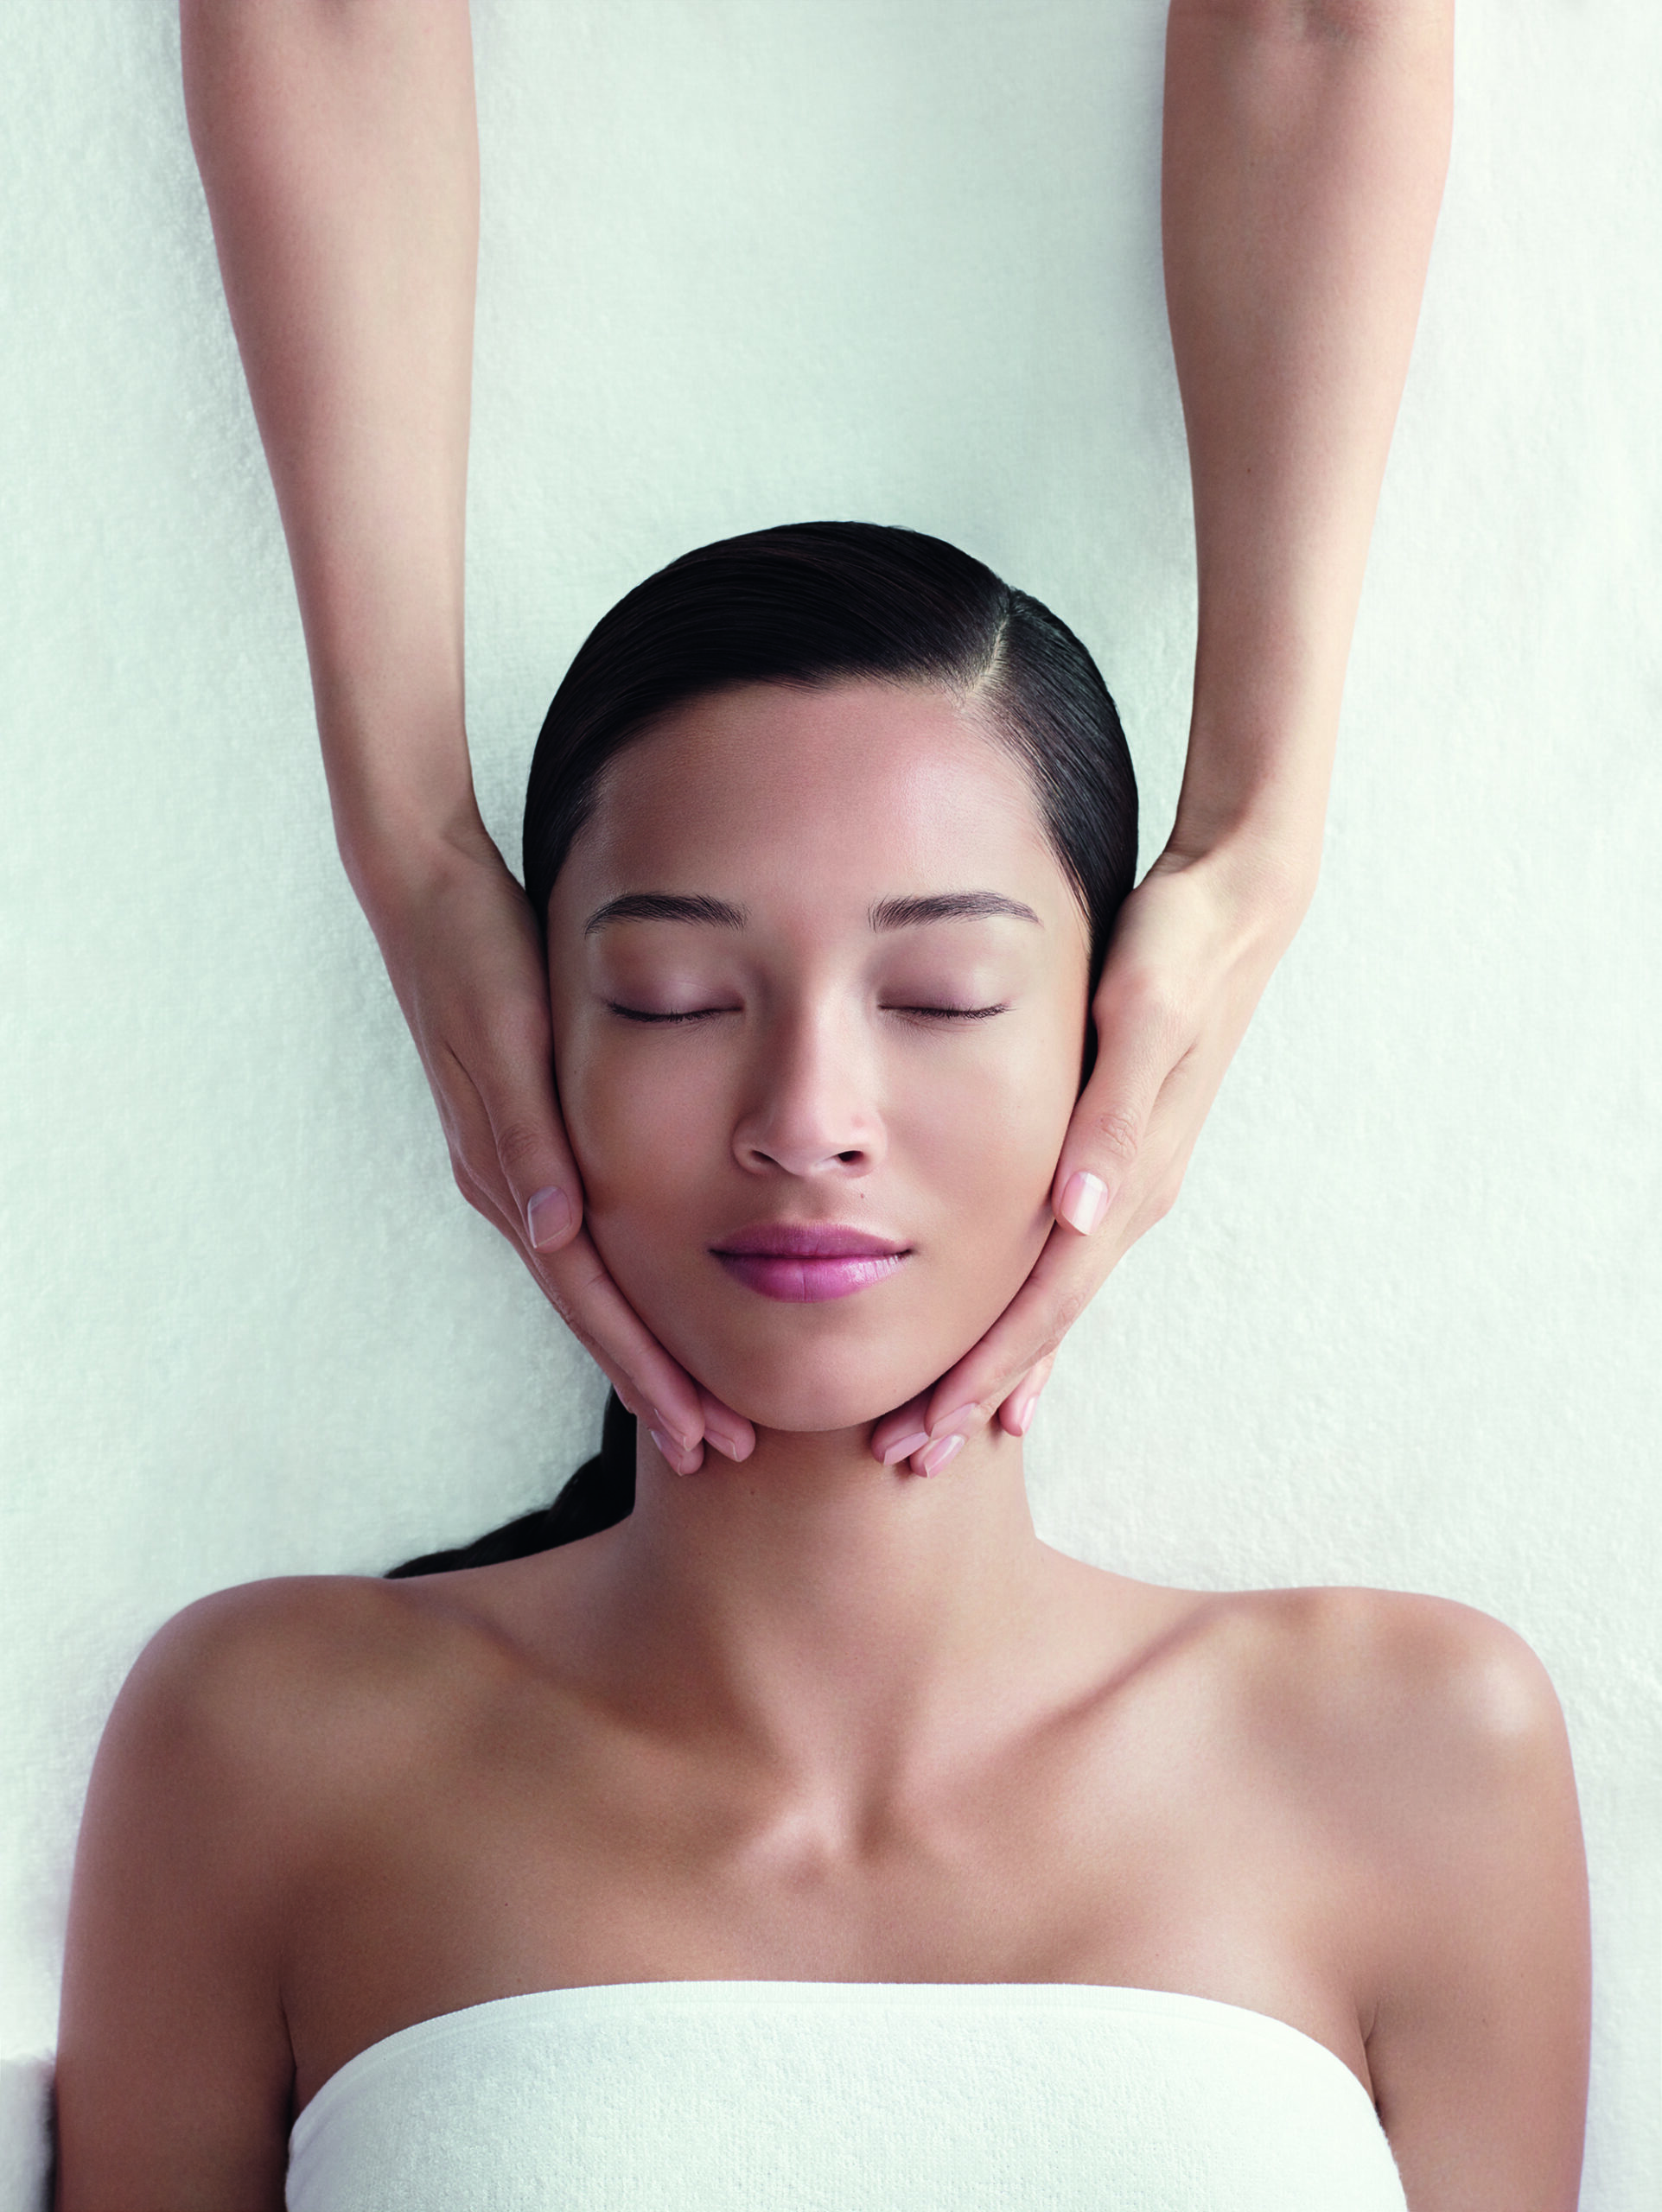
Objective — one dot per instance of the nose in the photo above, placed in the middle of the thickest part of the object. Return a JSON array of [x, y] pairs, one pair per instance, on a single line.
[[811, 1109]]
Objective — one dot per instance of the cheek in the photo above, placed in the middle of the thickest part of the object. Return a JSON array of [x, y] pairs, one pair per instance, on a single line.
[[650, 1128], [990, 1137], [982, 1155]]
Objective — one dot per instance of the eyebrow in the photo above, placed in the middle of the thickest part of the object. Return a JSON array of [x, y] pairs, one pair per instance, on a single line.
[[948, 907], [666, 906], [887, 915]]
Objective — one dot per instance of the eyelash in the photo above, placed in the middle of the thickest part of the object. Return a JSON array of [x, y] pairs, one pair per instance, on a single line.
[[701, 1013]]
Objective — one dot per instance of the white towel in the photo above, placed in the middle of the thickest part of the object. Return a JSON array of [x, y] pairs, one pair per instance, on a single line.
[[792, 2096]]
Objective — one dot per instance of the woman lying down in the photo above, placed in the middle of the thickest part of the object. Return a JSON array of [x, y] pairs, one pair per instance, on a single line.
[[805, 1831]]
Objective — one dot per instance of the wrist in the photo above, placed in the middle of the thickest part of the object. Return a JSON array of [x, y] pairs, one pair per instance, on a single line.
[[401, 789], [1254, 802], [1260, 867], [407, 844]]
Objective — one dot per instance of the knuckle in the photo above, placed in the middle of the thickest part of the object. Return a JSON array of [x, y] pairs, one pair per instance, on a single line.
[[1062, 1319], [470, 1187], [521, 1144], [1147, 1001], [1119, 1133], [1136, 993]]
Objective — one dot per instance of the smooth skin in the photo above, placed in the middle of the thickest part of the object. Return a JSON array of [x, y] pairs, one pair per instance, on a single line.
[[813, 1718], [1305, 146]]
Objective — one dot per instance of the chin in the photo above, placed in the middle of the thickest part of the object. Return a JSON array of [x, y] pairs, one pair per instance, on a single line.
[[805, 1388], [808, 1396]]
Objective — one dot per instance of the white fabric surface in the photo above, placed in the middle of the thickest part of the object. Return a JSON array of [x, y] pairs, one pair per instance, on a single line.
[[755, 260], [863, 2097]]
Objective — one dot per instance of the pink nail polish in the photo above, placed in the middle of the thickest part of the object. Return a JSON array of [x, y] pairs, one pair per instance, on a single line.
[[1022, 1419], [960, 1421], [906, 1447], [1084, 1201], [548, 1215], [939, 1453]]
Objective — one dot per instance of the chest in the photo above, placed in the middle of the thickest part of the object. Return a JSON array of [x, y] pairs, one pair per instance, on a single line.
[[1123, 1847]]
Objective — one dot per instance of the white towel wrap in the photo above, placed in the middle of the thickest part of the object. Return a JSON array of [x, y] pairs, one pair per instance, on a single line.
[[812, 2096]]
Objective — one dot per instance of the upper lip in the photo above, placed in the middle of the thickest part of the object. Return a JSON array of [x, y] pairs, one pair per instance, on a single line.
[[807, 1240]]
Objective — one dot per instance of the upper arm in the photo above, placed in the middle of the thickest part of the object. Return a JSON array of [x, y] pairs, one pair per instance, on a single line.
[[174, 2067], [1478, 2047]]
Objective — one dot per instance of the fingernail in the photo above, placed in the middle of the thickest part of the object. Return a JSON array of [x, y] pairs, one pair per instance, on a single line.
[[1022, 1419], [1084, 1201], [962, 1418], [548, 1215], [667, 1427], [906, 1447], [670, 1450], [939, 1453]]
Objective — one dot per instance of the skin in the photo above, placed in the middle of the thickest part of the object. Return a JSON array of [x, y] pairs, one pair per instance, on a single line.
[[811, 1717], [1305, 146]]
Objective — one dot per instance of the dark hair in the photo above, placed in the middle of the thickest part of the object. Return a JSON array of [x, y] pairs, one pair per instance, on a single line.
[[810, 604], [813, 603], [599, 1493]]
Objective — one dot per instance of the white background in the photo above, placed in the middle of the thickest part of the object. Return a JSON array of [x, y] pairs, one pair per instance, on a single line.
[[749, 261]]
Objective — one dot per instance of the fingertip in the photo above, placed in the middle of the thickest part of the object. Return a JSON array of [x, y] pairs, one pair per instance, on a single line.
[[730, 1434], [551, 1219], [680, 1435], [943, 1450], [680, 1460], [1084, 1202], [902, 1447]]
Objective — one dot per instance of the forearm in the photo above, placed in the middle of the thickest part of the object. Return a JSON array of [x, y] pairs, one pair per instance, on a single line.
[[1306, 143], [338, 149]]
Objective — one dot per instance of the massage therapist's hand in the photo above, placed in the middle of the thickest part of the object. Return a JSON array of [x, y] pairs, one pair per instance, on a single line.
[[466, 961], [1195, 944]]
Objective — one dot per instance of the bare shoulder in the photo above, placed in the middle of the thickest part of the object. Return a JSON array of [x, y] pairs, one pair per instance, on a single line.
[[295, 1666], [1383, 1681], [255, 1728], [1423, 1743], [292, 1691]]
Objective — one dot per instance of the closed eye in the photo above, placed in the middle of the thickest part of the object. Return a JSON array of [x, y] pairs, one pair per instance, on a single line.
[[949, 1013], [640, 1013]]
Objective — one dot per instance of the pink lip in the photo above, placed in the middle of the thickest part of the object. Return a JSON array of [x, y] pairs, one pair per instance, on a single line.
[[804, 1262]]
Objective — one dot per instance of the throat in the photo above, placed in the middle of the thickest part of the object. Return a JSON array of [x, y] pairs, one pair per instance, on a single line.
[[816, 1609]]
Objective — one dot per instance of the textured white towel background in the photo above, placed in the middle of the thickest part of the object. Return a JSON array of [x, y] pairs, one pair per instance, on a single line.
[[755, 260]]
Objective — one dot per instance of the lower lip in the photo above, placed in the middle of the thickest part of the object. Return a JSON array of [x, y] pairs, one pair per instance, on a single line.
[[800, 1279]]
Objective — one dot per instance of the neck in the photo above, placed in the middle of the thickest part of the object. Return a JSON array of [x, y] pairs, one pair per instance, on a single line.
[[832, 1618]]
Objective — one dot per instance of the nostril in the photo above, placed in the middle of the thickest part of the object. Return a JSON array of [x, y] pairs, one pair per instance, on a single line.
[[848, 1158]]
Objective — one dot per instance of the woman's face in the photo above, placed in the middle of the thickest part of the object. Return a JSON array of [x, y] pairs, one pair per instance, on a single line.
[[820, 998]]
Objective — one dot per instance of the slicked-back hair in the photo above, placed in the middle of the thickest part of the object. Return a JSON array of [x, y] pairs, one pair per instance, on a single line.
[[815, 603]]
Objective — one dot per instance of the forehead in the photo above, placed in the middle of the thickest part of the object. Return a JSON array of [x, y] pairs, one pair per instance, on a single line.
[[858, 788]]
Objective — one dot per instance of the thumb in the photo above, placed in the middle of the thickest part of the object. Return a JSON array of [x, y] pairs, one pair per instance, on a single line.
[[533, 1155], [1139, 1046]]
